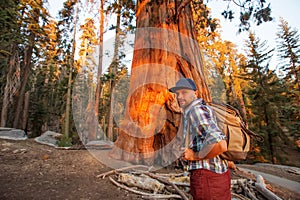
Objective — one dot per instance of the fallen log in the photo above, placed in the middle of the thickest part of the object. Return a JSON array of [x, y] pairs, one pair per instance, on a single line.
[[103, 175], [248, 191], [166, 181], [238, 181], [164, 186], [239, 197], [142, 182], [145, 195], [293, 171], [261, 188]]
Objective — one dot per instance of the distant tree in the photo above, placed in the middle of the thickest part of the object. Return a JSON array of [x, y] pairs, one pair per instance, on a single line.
[[124, 11], [44, 109], [87, 50], [288, 47], [265, 92], [9, 58], [28, 20], [221, 59], [66, 34]]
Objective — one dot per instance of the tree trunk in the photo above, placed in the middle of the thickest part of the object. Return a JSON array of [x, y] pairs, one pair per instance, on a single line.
[[93, 136], [25, 112], [12, 83], [164, 51], [113, 71], [71, 65], [68, 104], [25, 77]]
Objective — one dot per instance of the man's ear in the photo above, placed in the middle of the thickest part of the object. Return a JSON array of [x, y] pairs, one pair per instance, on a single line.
[[196, 93]]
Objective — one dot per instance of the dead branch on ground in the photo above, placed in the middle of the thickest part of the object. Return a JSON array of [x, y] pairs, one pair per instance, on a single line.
[[176, 186]]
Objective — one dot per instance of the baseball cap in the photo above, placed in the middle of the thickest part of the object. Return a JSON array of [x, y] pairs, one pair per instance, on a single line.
[[184, 83]]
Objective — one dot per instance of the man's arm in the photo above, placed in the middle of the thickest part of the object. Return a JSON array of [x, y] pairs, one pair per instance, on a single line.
[[210, 151]]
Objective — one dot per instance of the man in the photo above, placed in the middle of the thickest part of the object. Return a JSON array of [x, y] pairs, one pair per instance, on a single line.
[[204, 142]]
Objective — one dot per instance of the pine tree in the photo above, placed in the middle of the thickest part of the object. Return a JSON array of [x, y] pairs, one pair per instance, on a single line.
[[124, 16], [9, 58], [264, 91], [46, 102], [67, 26], [28, 19], [88, 66], [288, 45], [221, 59]]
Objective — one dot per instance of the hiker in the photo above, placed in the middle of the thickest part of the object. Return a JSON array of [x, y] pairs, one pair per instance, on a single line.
[[204, 142]]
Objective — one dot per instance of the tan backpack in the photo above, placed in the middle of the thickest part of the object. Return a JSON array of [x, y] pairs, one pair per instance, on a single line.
[[238, 136]]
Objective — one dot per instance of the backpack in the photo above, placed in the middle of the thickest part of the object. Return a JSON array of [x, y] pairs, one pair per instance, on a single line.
[[238, 136]]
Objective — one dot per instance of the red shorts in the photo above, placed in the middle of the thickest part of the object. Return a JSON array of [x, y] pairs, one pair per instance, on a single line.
[[207, 185]]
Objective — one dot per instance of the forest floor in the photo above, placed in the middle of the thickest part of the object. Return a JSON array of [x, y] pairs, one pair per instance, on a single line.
[[29, 170]]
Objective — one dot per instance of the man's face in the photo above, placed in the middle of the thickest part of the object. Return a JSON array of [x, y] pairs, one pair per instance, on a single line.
[[185, 97]]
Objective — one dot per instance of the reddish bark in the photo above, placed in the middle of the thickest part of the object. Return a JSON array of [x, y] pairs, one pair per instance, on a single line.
[[164, 51]]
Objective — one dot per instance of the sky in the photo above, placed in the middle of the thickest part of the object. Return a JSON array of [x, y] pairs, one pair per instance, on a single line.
[[287, 9]]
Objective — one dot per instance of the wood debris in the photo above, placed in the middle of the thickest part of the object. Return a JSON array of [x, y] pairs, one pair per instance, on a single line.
[[150, 185], [143, 182], [261, 187]]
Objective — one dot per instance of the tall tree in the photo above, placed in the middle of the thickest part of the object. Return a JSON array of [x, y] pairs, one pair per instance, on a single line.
[[100, 61], [71, 63], [155, 68], [221, 59], [264, 91], [9, 54], [165, 49], [288, 47], [67, 25], [87, 50], [124, 15], [43, 110], [33, 16]]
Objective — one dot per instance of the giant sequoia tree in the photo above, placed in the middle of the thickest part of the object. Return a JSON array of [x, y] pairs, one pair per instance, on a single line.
[[165, 50]]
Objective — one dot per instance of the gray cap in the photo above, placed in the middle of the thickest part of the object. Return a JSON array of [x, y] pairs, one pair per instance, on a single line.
[[184, 83]]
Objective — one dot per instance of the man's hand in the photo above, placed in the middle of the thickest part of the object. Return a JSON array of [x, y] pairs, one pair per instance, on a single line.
[[213, 151], [189, 154]]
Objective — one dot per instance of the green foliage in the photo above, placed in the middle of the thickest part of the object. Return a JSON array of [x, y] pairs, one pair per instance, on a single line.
[[265, 93], [8, 36], [9, 27], [257, 11], [65, 141], [37, 118], [126, 9], [202, 17], [288, 46]]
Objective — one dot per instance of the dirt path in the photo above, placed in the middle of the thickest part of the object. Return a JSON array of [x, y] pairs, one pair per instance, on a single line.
[[29, 170], [32, 171]]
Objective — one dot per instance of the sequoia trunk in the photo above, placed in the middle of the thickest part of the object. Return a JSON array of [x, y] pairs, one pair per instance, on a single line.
[[164, 51]]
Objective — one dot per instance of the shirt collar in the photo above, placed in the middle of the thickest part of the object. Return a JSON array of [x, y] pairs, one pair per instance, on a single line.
[[188, 108]]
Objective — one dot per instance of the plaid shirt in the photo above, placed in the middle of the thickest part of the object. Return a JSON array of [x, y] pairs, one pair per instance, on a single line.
[[203, 130]]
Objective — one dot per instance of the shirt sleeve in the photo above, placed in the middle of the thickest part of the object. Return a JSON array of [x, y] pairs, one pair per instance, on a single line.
[[204, 127]]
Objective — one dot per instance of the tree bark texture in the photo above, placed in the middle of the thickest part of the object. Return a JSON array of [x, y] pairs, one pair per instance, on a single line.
[[12, 83], [99, 72], [164, 51], [25, 74]]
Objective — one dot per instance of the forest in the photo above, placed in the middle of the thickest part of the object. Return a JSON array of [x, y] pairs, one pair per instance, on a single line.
[[58, 73]]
